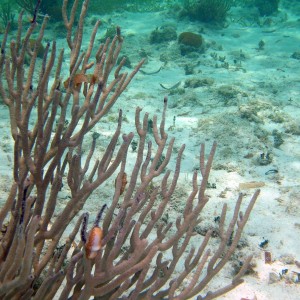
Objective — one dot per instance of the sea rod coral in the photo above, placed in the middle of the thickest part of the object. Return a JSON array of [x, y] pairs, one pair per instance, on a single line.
[[131, 253]]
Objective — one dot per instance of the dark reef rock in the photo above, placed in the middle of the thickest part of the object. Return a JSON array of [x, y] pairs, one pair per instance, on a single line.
[[267, 8], [163, 34]]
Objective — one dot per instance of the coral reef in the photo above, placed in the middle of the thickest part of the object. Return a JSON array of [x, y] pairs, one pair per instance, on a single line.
[[137, 251], [210, 11], [7, 15], [163, 34], [266, 8]]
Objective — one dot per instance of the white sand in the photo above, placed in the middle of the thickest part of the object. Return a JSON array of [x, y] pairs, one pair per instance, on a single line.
[[267, 83]]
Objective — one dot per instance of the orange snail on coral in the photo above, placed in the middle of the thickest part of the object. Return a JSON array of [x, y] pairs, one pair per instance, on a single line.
[[92, 244], [123, 182]]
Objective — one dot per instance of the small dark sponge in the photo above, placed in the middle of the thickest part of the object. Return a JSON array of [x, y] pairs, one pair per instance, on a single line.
[[191, 39]]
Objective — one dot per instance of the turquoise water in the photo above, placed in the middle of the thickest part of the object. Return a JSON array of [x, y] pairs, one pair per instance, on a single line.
[[231, 72]]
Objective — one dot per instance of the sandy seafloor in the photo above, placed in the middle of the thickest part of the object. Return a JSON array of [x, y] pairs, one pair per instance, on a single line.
[[261, 94]]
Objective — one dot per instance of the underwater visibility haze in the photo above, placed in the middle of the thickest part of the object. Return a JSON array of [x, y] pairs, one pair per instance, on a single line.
[[221, 72]]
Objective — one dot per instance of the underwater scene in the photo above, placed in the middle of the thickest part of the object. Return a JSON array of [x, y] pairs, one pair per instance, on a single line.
[[150, 149]]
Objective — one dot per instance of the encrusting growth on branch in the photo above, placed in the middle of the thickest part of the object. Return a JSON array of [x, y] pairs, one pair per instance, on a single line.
[[132, 252]]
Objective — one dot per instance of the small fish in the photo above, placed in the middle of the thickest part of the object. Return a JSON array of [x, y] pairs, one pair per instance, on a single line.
[[80, 78]]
